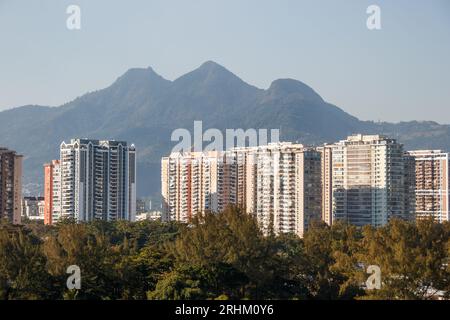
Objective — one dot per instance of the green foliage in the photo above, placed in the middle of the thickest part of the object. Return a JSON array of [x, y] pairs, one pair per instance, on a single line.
[[413, 259], [23, 273], [222, 256], [330, 261]]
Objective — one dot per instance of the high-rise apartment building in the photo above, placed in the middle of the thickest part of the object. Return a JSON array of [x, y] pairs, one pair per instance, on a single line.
[[365, 181], [326, 152], [245, 160], [410, 187], [362, 180], [52, 192], [278, 183], [95, 179], [308, 189], [432, 180], [288, 187], [10, 185], [195, 182]]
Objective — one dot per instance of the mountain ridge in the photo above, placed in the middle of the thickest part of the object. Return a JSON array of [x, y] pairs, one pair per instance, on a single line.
[[142, 107]]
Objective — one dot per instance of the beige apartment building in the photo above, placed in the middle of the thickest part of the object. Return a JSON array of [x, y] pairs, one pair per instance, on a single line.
[[52, 192], [287, 188], [196, 182], [432, 180], [365, 181], [326, 165]]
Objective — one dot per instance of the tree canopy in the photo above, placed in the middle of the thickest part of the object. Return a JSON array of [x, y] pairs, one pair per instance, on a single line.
[[223, 256]]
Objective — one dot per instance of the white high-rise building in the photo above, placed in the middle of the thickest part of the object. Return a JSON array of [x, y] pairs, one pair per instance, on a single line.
[[98, 180], [288, 187], [368, 181]]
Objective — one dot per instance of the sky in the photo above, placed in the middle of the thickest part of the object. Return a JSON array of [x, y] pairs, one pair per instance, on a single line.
[[398, 73]]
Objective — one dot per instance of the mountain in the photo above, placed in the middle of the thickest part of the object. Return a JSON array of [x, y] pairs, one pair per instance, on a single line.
[[144, 108]]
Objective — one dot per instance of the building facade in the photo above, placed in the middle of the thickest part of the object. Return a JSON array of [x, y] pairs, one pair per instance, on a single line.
[[279, 184], [287, 190], [196, 182], [362, 180], [326, 163], [10, 186], [52, 192], [365, 181], [94, 179], [432, 180]]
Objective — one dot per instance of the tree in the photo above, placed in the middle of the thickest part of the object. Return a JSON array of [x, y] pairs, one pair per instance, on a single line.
[[76, 244], [23, 273], [285, 269], [230, 238], [316, 273], [412, 257], [183, 283], [346, 245], [223, 256]]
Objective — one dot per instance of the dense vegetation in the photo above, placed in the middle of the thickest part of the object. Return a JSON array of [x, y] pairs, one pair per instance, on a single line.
[[222, 256]]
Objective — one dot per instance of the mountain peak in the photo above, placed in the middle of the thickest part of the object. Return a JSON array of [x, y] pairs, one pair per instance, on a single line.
[[213, 69], [139, 73], [291, 87], [210, 73], [211, 65], [140, 77]]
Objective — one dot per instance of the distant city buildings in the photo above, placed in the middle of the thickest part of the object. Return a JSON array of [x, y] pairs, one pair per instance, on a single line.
[[151, 215], [10, 186], [361, 180], [33, 208], [143, 205], [94, 179]]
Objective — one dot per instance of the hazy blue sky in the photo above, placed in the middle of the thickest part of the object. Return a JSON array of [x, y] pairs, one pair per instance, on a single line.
[[401, 72]]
